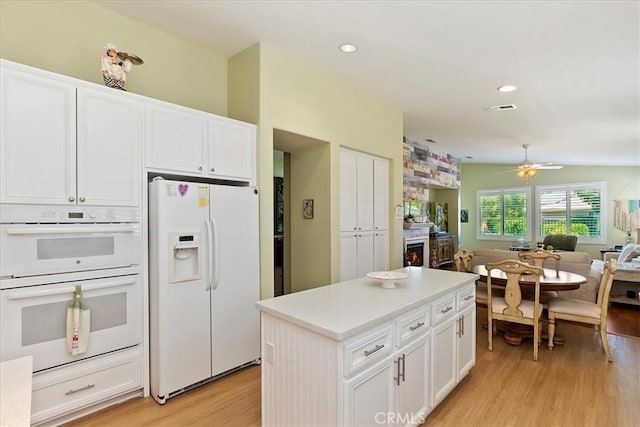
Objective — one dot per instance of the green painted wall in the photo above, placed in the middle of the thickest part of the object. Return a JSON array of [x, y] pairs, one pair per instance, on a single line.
[[296, 98], [67, 37], [483, 177]]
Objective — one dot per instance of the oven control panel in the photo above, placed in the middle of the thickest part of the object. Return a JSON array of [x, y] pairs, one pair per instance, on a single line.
[[29, 214]]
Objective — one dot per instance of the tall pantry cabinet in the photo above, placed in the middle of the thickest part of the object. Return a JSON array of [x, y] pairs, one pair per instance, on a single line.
[[364, 214]]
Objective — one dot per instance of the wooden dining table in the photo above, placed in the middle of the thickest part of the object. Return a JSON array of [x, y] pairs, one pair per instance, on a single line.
[[551, 280]]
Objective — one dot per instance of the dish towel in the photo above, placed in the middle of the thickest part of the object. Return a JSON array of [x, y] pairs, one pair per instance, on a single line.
[[78, 324]]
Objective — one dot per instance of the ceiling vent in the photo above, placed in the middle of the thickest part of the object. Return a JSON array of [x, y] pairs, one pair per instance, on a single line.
[[503, 107]]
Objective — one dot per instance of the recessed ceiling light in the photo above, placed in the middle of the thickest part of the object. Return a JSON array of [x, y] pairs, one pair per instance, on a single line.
[[507, 88], [348, 48]]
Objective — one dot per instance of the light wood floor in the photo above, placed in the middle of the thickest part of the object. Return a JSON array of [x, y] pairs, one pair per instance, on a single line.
[[572, 385]]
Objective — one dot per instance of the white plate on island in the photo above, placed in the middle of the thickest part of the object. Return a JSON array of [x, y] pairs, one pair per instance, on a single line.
[[387, 278]]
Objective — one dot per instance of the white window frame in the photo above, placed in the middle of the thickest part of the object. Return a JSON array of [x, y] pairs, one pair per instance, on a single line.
[[602, 186], [502, 192]]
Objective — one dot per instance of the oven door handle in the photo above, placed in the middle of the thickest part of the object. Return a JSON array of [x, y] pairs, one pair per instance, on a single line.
[[62, 229], [69, 289]]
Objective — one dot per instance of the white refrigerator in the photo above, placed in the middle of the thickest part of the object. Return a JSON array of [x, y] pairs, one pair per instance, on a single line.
[[203, 282]]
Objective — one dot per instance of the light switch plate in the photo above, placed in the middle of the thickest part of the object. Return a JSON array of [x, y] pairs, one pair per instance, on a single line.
[[399, 212]]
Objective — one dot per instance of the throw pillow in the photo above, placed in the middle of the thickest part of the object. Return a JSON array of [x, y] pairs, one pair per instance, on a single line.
[[628, 252]]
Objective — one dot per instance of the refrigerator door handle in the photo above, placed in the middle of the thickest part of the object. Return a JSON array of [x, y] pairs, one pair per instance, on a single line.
[[216, 255], [207, 224]]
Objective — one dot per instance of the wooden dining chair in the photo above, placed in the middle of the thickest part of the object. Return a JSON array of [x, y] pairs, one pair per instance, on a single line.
[[539, 257], [512, 307], [463, 260], [582, 311]]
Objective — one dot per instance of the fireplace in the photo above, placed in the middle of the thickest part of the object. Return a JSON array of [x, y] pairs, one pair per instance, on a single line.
[[416, 250]]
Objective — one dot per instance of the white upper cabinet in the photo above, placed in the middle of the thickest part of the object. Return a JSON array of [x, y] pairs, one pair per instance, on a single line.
[[109, 142], [348, 191], [67, 144], [231, 148], [189, 142], [364, 192], [175, 139], [38, 139], [380, 194]]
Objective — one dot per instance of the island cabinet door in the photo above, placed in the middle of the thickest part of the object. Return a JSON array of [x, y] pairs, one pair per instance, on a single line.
[[370, 397], [414, 389], [444, 359], [466, 342]]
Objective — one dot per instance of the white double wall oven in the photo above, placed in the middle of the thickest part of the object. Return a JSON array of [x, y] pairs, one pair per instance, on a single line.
[[48, 251]]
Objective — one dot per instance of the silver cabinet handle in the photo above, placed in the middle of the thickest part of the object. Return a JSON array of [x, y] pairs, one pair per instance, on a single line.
[[88, 386], [212, 169], [397, 377], [446, 310], [403, 372], [72, 199], [462, 325], [81, 199], [468, 297], [416, 326], [199, 168], [373, 350]]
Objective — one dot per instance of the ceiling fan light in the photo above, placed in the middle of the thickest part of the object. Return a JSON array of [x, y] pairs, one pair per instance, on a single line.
[[532, 172], [521, 173]]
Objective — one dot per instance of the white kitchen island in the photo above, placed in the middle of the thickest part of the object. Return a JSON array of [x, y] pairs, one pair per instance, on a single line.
[[354, 353]]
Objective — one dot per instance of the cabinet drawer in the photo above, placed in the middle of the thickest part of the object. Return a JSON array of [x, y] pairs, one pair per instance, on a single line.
[[363, 351], [466, 297], [413, 325], [443, 309], [84, 383]]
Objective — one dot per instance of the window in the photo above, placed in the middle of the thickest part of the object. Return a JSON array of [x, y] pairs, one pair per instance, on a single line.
[[572, 209], [504, 214]]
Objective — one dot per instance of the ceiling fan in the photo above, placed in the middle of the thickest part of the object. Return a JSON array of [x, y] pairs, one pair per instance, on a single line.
[[528, 169]]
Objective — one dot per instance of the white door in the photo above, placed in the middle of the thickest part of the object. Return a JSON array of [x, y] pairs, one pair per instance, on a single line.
[[466, 342], [231, 149], [380, 250], [380, 194], [365, 252], [180, 333], [444, 359], [37, 140], [235, 277], [348, 255], [348, 191], [365, 192], [175, 139], [109, 144], [370, 397], [414, 397]]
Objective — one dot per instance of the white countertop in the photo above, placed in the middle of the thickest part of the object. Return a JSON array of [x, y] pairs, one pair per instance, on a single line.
[[344, 309], [15, 392]]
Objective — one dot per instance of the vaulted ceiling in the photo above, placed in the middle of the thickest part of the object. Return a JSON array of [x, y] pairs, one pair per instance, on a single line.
[[576, 65]]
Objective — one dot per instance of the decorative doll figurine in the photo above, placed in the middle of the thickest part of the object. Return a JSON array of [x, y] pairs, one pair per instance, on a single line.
[[116, 65]]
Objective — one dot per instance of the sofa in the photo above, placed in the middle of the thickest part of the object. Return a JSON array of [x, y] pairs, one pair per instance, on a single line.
[[574, 262], [562, 242]]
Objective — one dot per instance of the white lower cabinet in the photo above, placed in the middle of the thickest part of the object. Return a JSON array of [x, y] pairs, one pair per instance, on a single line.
[[86, 385], [356, 254], [393, 372], [454, 341], [393, 392], [370, 397]]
